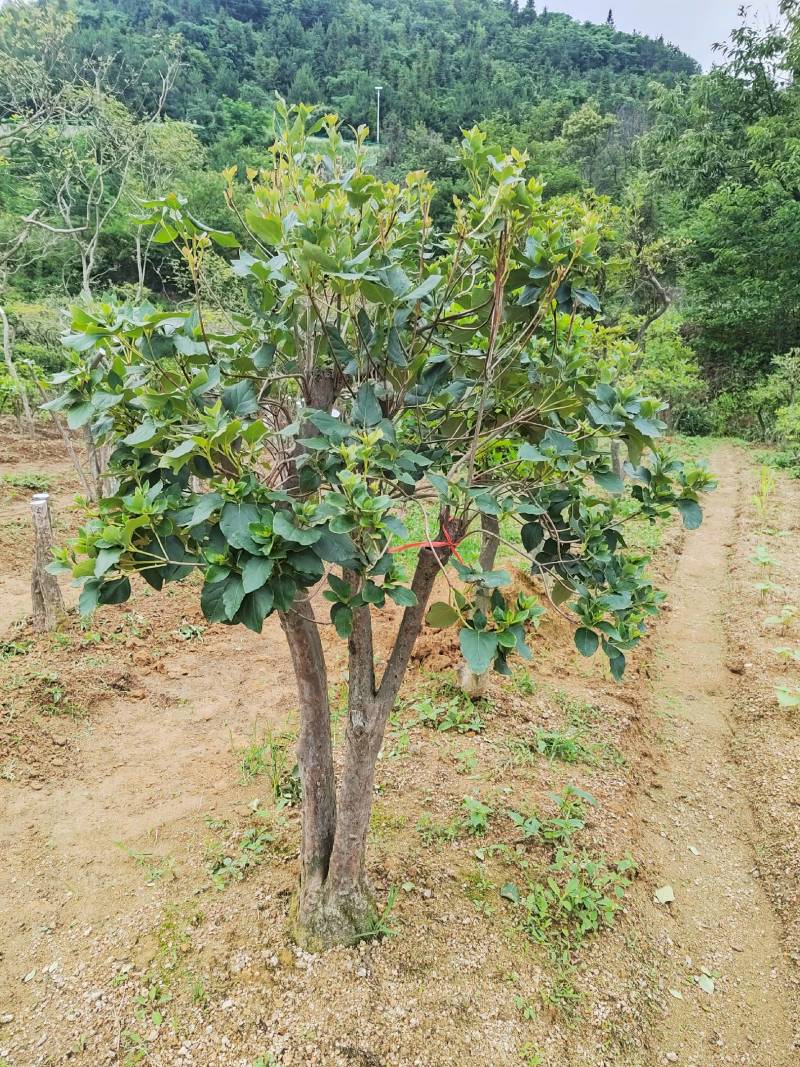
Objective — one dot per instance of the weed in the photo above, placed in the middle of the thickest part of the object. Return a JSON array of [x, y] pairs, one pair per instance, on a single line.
[[458, 713], [467, 761], [383, 821], [562, 993], [764, 589], [579, 896], [480, 891], [579, 713], [155, 867], [379, 926], [198, 992], [10, 649], [523, 684], [265, 1061], [477, 815], [531, 1055], [188, 631], [270, 756], [33, 480], [55, 701], [224, 868], [558, 829], [568, 748], [431, 831], [525, 1007], [761, 498]]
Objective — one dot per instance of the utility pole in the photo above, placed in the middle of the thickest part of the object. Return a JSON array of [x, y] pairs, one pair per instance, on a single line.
[[378, 90]]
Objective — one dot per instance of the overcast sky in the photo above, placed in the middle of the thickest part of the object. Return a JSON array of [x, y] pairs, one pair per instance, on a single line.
[[693, 25]]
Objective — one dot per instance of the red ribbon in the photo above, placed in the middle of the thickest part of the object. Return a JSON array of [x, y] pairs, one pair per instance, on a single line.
[[447, 543]]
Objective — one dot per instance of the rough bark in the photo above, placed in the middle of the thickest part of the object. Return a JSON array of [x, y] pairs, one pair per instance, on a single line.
[[475, 685], [314, 754], [47, 602]]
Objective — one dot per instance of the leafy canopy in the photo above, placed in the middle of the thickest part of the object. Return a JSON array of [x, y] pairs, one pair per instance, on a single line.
[[383, 370]]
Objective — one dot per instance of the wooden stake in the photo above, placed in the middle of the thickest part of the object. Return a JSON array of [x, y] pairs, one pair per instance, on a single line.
[[48, 603]]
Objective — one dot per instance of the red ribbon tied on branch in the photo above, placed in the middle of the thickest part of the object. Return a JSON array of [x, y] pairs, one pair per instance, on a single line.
[[448, 543]]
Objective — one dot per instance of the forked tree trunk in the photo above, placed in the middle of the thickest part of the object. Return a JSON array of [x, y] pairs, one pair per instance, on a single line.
[[47, 602], [335, 904], [475, 685]]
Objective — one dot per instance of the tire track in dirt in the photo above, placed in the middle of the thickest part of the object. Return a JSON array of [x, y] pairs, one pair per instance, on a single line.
[[701, 830]]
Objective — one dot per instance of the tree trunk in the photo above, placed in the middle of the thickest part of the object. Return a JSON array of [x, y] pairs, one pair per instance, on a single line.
[[335, 904], [616, 459], [314, 753], [48, 604], [12, 372], [98, 457], [474, 685]]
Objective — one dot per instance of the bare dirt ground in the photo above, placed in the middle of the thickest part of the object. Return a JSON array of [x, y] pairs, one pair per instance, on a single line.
[[147, 876]]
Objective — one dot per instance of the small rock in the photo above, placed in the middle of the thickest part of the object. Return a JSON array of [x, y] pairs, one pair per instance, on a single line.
[[6, 1019]]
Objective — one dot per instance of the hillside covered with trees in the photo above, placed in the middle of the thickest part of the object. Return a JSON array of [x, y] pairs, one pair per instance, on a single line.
[[695, 176]]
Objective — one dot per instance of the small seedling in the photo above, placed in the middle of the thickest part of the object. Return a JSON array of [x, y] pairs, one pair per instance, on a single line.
[[790, 654], [190, 632], [476, 819], [467, 761], [762, 558], [788, 696], [784, 620]]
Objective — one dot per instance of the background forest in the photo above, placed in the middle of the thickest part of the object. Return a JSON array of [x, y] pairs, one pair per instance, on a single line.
[[696, 176]]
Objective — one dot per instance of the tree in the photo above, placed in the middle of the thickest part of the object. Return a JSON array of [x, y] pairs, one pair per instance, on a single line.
[[365, 387]]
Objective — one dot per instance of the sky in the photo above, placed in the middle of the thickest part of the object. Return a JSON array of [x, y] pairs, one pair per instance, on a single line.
[[693, 25]]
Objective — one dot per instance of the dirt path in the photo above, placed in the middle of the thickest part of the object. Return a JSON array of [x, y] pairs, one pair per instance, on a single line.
[[720, 932]]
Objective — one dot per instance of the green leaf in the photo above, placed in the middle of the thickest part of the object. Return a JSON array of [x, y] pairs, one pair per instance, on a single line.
[[366, 410], [285, 528], [79, 415], [510, 892], [255, 608], [116, 591], [255, 573], [267, 227], [240, 400], [394, 349], [234, 522], [609, 481], [329, 426], [90, 596], [691, 513], [441, 615], [142, 435], [401, 595], [212, 600], [586, 641], [479, 648], [423, 289], [342, 618]]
